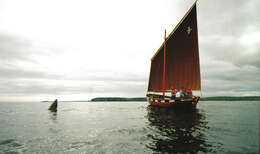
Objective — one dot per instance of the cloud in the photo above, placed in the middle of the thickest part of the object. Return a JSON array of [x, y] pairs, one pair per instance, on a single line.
[[108, 54], [224, 28], [233, 17], [34, 87], [251, 59], [14, 49], [23, 75], [224, 78], [229, 52]]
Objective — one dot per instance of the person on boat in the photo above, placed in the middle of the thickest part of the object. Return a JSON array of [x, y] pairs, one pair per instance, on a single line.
[[173, 95], [179, 94], [185, 93], [189, 93]]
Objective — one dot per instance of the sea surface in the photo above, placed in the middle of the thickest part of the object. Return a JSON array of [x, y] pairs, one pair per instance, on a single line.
[[128, 127]]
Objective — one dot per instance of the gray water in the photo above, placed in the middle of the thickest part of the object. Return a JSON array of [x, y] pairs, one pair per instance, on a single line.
[[128, 127]]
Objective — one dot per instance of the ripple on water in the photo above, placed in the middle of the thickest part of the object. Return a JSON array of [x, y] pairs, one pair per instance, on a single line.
[[127, 127], [10, 142], [70, 110], [10, 146]]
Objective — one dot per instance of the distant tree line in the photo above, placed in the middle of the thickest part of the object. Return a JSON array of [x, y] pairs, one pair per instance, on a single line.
[[217, 98], [107, 99], [231, 98]]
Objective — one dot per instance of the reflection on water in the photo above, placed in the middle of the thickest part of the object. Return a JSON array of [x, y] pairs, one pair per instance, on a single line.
[[129, 127], [53, 116], [177, 131], [10, 146]]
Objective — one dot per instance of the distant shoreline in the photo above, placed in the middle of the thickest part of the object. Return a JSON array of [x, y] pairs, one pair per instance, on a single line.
[[143, 99], [215, 98]]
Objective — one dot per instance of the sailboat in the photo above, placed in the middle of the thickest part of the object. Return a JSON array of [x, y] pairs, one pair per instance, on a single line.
[[175, 67]]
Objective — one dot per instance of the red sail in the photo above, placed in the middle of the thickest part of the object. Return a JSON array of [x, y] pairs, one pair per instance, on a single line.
[[182, 58]]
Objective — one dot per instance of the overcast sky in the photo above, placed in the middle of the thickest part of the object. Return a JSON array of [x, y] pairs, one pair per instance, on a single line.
[[78, 49]]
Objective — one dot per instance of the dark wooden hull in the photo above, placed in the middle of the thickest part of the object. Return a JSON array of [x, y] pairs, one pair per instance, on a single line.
[[175, 103]]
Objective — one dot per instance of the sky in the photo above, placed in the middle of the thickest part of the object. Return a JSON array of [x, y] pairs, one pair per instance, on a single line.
[[78, 49]]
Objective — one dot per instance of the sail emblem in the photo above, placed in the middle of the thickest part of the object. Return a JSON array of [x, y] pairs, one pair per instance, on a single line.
[[189, 30]]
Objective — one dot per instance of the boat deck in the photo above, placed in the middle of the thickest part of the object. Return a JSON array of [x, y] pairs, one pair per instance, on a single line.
[[159, 100]]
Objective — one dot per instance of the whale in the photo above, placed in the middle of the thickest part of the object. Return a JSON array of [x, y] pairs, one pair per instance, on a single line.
[[54, 106]]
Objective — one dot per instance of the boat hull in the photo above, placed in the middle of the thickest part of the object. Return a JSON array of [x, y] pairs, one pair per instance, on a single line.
[[175, 103]]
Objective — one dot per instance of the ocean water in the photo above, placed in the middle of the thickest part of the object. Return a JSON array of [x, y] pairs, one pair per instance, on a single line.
[[128, 127]]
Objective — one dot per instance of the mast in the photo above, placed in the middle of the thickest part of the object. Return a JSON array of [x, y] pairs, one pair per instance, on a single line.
[[164, 63]]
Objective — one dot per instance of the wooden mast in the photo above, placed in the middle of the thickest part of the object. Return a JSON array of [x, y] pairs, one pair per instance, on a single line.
[[164, 63]]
